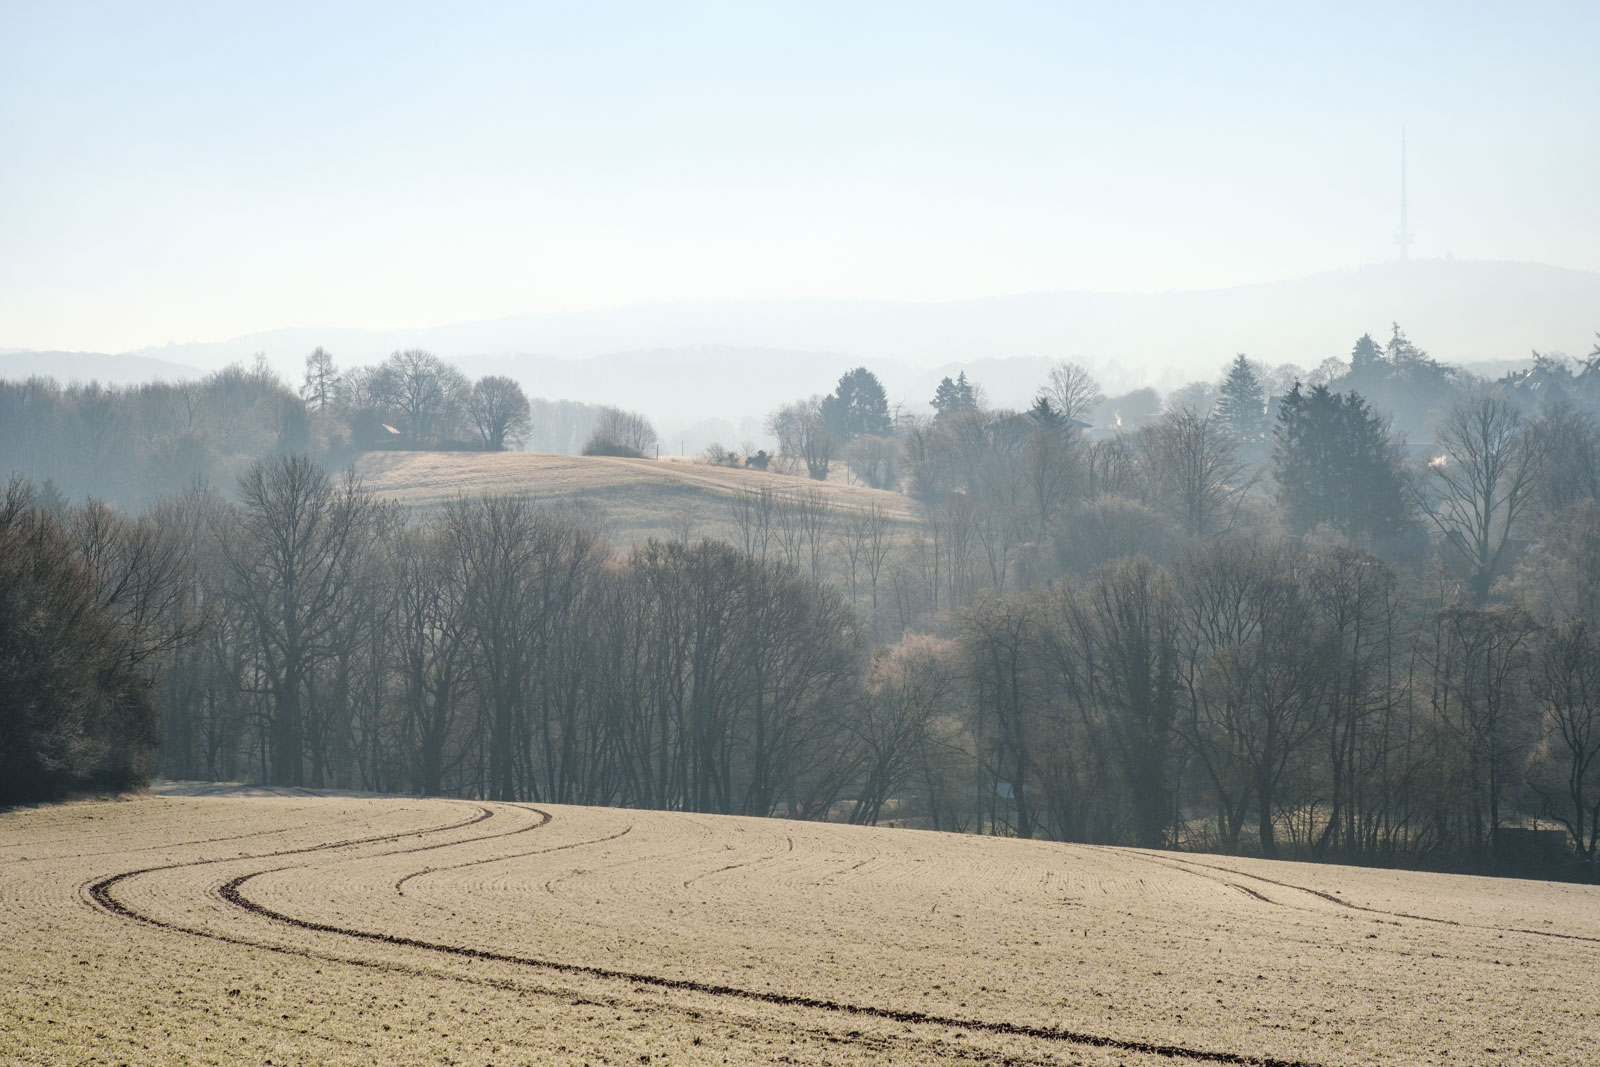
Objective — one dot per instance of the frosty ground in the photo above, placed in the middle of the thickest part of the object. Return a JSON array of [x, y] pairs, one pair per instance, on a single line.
[[243, 926]]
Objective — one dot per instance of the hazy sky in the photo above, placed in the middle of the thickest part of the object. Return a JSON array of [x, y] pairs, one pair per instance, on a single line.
[[199, 171]]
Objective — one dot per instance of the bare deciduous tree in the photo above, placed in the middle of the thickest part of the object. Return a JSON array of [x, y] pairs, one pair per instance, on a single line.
[[1479, 486], [423, 392], [1565, 769], [618, 432], [1072, 391], [1194, 472], [499, 412], [293, 549], [803, 435]]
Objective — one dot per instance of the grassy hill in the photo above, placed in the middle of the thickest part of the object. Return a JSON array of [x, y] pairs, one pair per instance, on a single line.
[[637, 498]]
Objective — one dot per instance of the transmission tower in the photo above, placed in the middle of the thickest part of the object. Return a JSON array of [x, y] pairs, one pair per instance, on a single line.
[[1403, 235]]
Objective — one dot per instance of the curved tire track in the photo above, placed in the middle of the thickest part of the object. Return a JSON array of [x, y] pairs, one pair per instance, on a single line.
[[233, 893], [1189, 866], [398, 886], [100, 893]]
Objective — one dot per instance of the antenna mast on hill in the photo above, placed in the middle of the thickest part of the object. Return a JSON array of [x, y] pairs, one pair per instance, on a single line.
[[1402, 237]]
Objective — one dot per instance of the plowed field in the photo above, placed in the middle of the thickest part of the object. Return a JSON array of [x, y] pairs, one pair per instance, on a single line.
[[247, 927], [643, 497]]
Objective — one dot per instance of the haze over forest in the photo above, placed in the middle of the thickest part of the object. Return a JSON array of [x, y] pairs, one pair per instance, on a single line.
[[658, 359], [710, 532]]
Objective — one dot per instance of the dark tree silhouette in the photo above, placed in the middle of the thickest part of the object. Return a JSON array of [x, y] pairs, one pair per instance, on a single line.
[[1336, 463], [1242, 403], [857, 407]]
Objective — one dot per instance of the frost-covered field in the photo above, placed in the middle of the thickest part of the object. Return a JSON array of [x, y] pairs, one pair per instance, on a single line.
[[247, 927], [428, 478]]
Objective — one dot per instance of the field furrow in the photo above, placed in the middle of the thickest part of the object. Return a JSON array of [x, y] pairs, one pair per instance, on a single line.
[[348, 929]]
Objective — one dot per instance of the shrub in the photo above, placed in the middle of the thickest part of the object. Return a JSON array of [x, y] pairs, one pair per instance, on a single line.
[[601, 445]]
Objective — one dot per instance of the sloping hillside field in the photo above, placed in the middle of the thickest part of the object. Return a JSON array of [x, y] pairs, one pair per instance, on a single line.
[[245, 927], [637, 495]]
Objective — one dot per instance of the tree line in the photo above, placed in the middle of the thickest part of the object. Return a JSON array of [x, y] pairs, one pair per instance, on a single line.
[[136, 444], [1266, 623]]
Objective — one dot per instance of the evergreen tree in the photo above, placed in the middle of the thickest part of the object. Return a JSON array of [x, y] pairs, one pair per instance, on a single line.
[[1336, 463], [1044, 414], [857, 408], [1365, 354], [1242, 403], [1400, 351], [953, 397]]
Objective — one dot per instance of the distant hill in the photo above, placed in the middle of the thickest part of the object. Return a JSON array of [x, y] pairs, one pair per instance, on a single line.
[[710, 371], [1462, 311], [93, 366]]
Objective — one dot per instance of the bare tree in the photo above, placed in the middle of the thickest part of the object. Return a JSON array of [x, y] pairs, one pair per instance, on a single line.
[[1109, 527], [433, 649], [1477, 489], [1255, 671], [426, 395], [753, 515], [1112, 649], [875, 460], [1565, 769], [499, 412], [1050, 462], [1568, 441], [804, 524], [621, 433], [1111, 466], [998, 634], [803, 435], [913, 699], [1194, 471], [322, 382], [1480, 658], [293, 550], [1072, 391], [495, 541]]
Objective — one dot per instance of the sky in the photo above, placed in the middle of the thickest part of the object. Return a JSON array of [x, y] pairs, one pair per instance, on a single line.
[[178, 172]]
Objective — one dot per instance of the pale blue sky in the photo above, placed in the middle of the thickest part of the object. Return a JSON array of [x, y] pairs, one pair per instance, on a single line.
[[199, 171]]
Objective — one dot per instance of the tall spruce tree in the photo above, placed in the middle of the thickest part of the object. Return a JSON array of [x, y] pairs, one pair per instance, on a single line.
[[857, 408], [1336, 463], [954, 397], [1365, 354], [1242, 403]]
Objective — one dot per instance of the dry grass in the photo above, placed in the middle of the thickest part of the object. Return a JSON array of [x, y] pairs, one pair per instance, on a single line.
[[641, 497], [447, 931]]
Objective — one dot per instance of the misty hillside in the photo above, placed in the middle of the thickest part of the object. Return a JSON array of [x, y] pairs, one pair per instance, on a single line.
[[1469, 311], [126, 369], [710, 371]]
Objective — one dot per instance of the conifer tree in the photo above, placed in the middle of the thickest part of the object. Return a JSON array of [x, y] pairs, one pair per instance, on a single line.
[[1242, 403], [953, 397], [1365, 354], [857, 408], [1336, 463]]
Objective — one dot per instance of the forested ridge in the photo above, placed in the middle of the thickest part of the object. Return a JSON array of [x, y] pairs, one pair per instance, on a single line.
[[1254, 616]]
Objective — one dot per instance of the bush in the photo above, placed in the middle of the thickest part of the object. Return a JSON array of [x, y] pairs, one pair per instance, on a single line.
[[718, 456], [627, 429], [601, 445]]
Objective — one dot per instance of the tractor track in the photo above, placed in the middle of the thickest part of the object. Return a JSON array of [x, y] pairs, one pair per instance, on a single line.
[[100, 894], [1189, 867], [400, 884]]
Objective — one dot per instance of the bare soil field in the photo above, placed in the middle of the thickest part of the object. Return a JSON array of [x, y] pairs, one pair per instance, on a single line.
[[243, 926], [636, 495]]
